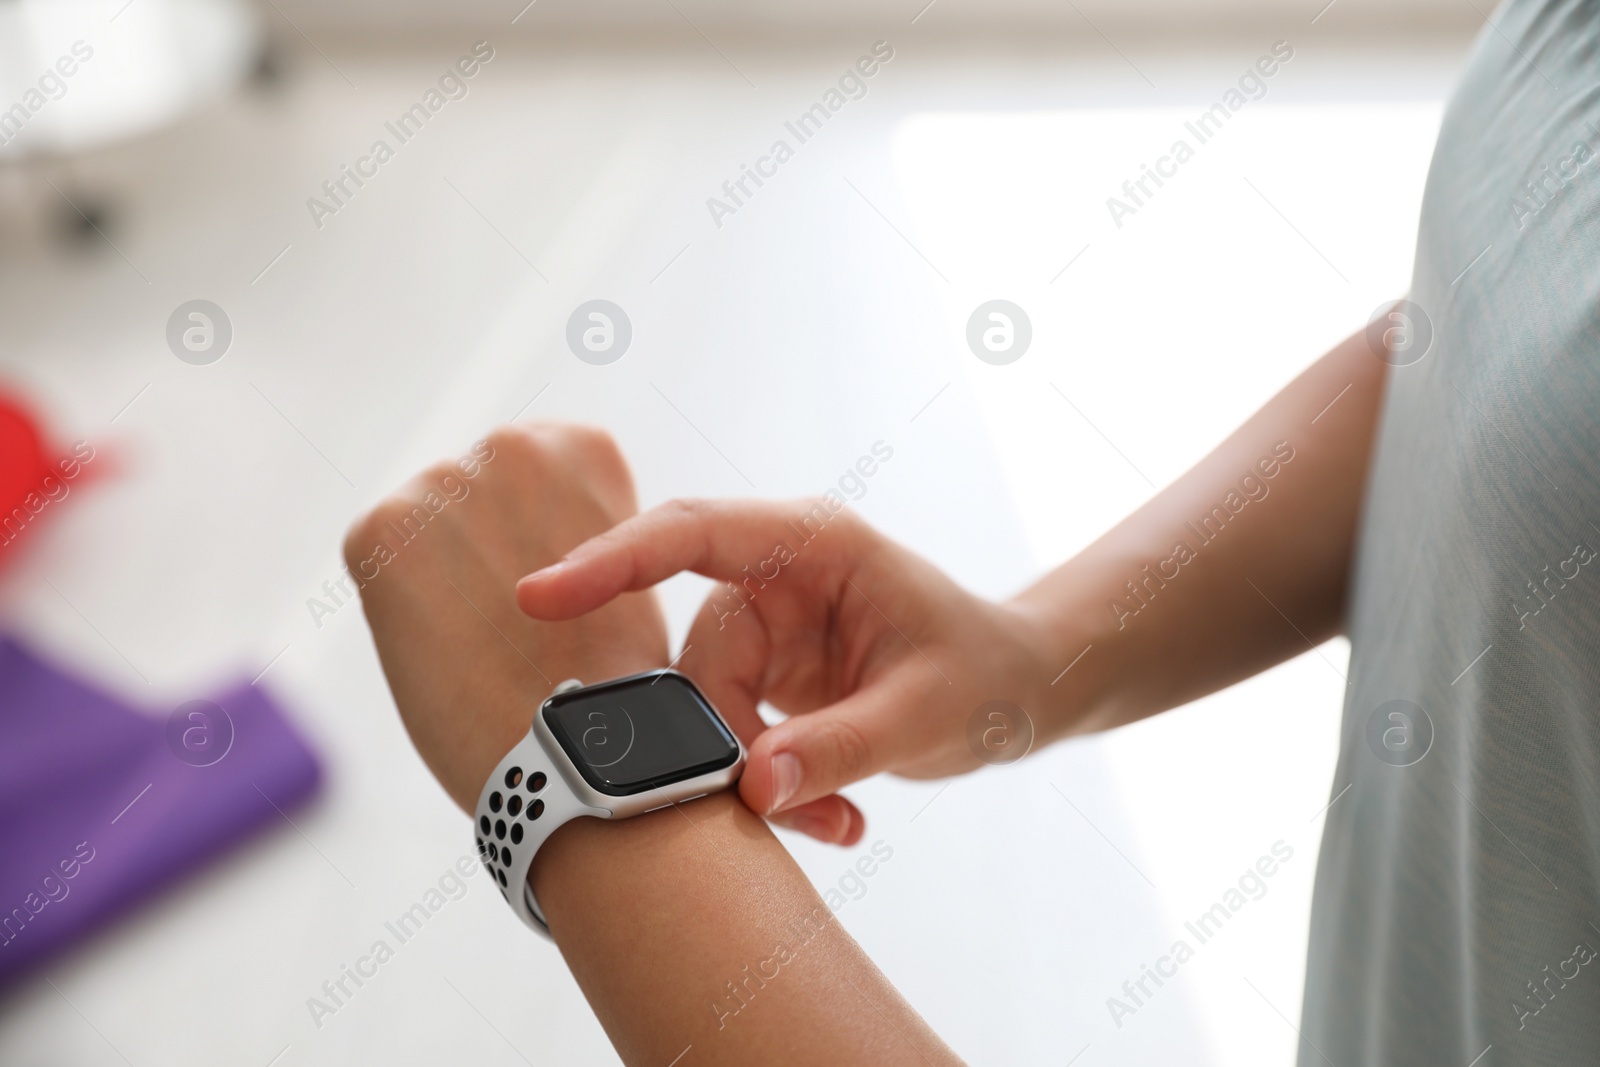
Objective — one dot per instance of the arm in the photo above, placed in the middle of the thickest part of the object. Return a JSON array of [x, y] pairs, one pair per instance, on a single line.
[[883, 662], [693, 926], [1270, 583], [655, 915]]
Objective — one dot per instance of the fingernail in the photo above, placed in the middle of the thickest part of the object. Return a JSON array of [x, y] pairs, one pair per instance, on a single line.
[[785, 779]]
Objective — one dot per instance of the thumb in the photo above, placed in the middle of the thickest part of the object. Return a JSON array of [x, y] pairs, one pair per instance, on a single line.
[[830, 819], [818, 753], [728, 663]]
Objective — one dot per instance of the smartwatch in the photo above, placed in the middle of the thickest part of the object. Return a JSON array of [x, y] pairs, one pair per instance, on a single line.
[[607, 751]]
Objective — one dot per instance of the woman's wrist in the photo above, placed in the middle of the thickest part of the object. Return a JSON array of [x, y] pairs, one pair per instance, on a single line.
[[693, 927], [1074, 660]]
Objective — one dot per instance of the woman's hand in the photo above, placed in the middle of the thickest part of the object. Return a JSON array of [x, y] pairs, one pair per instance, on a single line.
[[880, 659], [437, 563]]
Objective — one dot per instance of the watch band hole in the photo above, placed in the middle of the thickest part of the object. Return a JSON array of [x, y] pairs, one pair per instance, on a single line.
[[535, 809], [514, 806], [513, 777], [536, 781], [495, 800]]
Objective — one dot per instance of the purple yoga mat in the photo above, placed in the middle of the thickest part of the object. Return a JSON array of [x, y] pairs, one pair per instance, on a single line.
[[102, 805]]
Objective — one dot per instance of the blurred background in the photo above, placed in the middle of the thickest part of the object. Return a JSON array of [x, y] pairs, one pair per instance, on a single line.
[[255, 346]]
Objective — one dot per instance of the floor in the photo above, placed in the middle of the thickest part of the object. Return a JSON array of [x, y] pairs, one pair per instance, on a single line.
[[826, 313]]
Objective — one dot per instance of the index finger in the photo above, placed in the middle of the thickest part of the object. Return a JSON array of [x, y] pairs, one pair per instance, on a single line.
[[717, 538]]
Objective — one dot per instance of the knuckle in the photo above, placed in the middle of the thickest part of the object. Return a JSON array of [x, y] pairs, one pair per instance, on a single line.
[[509, 436], [524, 444], [817, 513], [559, 436], [573, 451], [391, 510], [685, 508], [600, 455], [846, 749], [594, 439], [852, 525], [808, 515], [356, 539], [437, 473], [373, 527]]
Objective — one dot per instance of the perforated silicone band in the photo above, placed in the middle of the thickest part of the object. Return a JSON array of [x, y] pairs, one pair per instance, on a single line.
[[522, 804]]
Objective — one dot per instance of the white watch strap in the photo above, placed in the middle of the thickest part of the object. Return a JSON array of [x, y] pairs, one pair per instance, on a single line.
[[522, 804]]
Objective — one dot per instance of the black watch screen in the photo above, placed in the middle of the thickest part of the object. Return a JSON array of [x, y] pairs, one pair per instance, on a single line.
[[636, 734]]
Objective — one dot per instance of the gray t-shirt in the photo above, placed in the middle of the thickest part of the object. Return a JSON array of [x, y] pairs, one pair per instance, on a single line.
[[1457, 898]]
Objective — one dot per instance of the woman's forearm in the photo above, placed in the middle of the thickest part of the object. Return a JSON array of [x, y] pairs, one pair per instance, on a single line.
[[1240, 564], [691, 928]]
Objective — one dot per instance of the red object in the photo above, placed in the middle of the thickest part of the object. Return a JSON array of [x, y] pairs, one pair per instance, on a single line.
[[26, 461], [22, 454]]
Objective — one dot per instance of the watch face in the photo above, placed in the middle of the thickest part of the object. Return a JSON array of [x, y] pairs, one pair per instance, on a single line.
[[637, 734]]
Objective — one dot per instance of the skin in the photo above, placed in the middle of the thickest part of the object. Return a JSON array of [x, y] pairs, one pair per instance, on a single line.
[[876, 656], [880, 660], [657, 915], [654, 915]]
